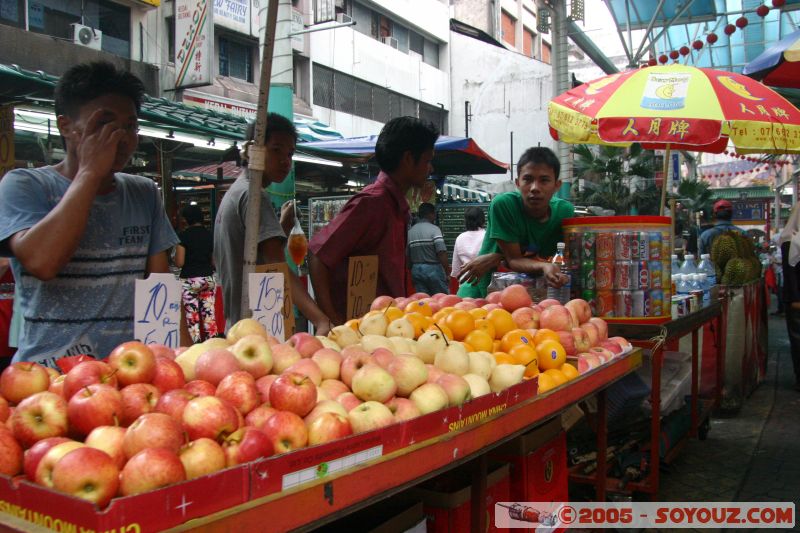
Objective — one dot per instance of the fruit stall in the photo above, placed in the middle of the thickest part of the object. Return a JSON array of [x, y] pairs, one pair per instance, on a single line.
[[227, 432]]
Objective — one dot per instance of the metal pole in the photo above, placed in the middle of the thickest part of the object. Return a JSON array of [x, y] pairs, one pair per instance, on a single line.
[[561, 82], [466, 118], [664, 186], [511, 161], [256, 165]]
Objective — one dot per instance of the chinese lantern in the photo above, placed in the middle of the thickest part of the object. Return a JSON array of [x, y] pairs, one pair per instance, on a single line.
[[662, 58], [762, 11], [652, 62], [778, 3], [742, 21], [684, 51], [674, 54], [697, 45], [711, 38], [729, 29]]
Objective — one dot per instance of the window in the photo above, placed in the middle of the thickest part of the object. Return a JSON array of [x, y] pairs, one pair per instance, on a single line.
[[170, 39], [528, 39], [12, 13], [546, 52], [431, 55], [235, 59], [381, 26], [416, 43], [114, 21], [508, 25], [54, 17], [323, 86]]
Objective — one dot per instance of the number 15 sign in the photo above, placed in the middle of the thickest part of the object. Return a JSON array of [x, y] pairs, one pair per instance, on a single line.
[[266, 295]]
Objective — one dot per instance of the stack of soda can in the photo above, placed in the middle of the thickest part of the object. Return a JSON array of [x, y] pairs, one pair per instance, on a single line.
[[621, 273]]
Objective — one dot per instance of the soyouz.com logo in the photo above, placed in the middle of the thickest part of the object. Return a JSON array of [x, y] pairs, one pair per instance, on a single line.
[[699, 515]]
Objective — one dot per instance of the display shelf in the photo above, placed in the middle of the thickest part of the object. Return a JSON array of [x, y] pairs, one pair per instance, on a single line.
[[320, 501], [322, 210], [450, 218]]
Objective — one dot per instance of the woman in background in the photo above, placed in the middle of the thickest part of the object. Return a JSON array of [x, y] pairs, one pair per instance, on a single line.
[[468, 244], [194, 256]]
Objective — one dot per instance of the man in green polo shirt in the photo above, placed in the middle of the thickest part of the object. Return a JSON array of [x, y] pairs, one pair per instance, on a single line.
[[524, 226]]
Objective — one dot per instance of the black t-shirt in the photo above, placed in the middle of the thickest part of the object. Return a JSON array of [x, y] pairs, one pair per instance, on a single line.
[[199, 244]]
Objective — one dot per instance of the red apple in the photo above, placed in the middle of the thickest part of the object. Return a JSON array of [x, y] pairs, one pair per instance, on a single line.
[[602, 327], [544, 304], [382, 357], [151, 469], [286, 431], [263, 384], [457, 389], [11, 458], [305, 344], [403, 409], [209, 416], [611, 346], [557, 318], [449, 300], [293, 392], [87, 473], [109, 439], [603, 354], [57, 385], [526, 317], [239, 390], [44, 470], [329, 362], [33, 454], [567, 341], [173, 402], [199, 387], [94, 405], [21, 380], [52, 372], [215, 364], [138, 399], [333, 388], [514, 297], [592, 332], [308, 368], [381, 302], [370, 415], [352, 363], [246, 444], [491, 307], [434, 373], [325, 406], [134, 362], [159, 350], [327, 427], [283, 356], [581, 308], [202, 457], [349, 401], [38, 417], [465, 306], [622, 342], [259, 416], [87, 373], [169, 375], [408, 372], [153, 430], [581, 339], [254, 355], [5, 410], [587, 361]]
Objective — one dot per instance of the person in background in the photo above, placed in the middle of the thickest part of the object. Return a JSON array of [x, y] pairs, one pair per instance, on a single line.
[[229, 229], [524, 226], [81, 232], [427, 253], [194, 256], [790, 242], [723, 213], [468, 244], [374, 221]]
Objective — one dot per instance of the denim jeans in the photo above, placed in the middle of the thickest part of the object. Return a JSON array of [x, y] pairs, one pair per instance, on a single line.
[[429, 278]]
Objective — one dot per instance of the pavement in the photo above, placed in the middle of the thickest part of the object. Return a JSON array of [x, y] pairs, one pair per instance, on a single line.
[[752, 455]]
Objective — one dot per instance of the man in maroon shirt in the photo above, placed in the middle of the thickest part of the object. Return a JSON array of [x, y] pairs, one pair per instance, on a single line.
[[374, 221]]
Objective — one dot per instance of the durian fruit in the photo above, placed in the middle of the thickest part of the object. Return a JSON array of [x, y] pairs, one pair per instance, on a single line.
[[723, 249], [735, 272], [754, 268]]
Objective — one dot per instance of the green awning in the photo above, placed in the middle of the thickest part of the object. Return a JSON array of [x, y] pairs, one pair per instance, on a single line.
[[743, 193]]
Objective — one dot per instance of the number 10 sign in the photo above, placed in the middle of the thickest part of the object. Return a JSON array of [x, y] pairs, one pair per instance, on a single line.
[[157, 310], [266, 297]]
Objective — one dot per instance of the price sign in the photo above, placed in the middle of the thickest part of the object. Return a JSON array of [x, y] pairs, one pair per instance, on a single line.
[[288, 304], [266, 297], [157, 310], [362, 282]]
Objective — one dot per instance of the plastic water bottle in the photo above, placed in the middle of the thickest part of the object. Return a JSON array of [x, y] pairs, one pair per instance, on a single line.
[[562, 294], [709, 269], [688, 266], [676, 265], [702, 282], [682, 283]]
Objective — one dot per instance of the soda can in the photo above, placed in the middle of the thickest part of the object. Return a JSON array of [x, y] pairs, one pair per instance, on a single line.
[[625, 274], [644, 246], [588, 273], [656, 276], [604, 246], [588, 240], [638, 303], [604, 303], [589, 295], [635, 250], [656, 303], [604, 275], [623, 245], [643, 275], [654, 245], [623, 303], [573, 248]]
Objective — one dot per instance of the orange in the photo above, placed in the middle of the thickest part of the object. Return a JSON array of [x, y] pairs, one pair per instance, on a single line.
[[420, 307], [551, 354], [485, 325], [420, 322], [546, 383], [557, 375], [531, 370], [514, 338], [441, 328], [502, 358], [441, 314], [353, 323], [480, 340], [523, 354], [545, 334], [460, 323], [393, 313], [570, 371], [478, 312], [502, 321]]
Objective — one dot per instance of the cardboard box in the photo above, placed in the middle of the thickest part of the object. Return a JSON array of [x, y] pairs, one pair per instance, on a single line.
[[398, 514], [447, 499], [538, 461]]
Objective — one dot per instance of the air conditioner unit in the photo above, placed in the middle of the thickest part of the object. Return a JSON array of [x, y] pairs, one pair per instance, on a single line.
[[391, 41], [86, 36], [342, 18]]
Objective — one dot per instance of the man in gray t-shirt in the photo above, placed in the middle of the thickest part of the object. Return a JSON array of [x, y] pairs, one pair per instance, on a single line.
[[427, 253], [229, 229]]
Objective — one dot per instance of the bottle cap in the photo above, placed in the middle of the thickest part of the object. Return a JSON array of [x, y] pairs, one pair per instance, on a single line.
[[705, 256]]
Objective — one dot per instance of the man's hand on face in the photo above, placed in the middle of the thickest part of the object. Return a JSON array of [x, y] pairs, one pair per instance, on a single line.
[[97, 146]]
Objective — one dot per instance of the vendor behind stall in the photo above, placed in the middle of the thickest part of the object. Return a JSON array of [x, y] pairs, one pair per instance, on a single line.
[[82, 232], [524, 226]]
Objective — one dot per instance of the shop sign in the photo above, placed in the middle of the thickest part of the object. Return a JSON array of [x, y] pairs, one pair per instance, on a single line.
[[749, 210], [233, 14], [219, 103], [157, 310], [297, 25], [266, 296], [6, 139], [154, 3], [194, 40]]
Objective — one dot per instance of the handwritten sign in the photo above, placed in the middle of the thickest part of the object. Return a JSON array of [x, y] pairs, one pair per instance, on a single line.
[[266, 295], [157, 310], [288, 304], [362, 282]]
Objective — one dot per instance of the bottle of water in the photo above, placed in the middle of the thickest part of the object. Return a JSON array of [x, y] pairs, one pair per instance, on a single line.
[[676, 264], [702, 282], [562, 294], [682, 283], [688, 266], [709, 269]]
